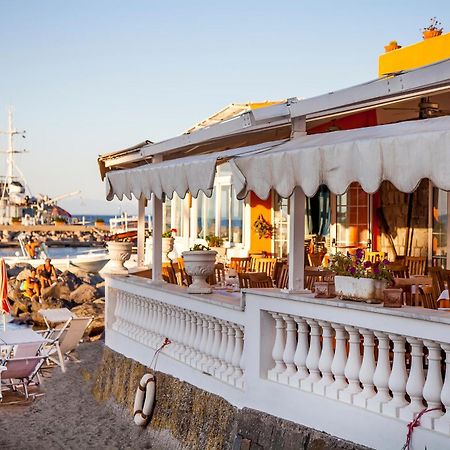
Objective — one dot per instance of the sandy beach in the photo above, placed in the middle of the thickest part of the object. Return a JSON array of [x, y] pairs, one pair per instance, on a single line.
[[68, 416]]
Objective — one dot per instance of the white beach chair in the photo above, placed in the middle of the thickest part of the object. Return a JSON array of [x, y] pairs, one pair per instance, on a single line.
[[23, 366], [67, 341]]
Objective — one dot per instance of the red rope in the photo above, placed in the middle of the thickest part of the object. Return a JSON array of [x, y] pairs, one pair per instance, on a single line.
[[166, 342], [413, 424]]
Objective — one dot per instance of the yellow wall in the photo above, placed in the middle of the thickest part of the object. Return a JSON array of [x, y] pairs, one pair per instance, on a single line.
[[420, 54], [257, 207]]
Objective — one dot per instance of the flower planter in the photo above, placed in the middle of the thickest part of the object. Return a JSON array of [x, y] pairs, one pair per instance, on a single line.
[[199, 265], [393, 298], [427, 34], [359, 289], [167, 247], [324, 289], [119, 252]]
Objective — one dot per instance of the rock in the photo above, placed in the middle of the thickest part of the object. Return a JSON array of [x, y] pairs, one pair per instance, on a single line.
[[95, 310], [70, 280], [84, 294], [23, 275], [14, 271]]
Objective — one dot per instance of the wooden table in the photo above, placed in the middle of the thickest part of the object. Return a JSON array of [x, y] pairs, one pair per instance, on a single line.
[[414, 281]]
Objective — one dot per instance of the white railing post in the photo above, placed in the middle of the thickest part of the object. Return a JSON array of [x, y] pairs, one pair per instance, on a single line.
[[278, 348], [352, 367], [301, 352], [312, 360], [339, 363], [367, 369], [289, 350], [442, 424], [326, 358], [236, 358]]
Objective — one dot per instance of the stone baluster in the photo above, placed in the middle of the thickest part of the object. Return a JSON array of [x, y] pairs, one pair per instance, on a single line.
[[416, 380], [126, 329], [289, 349], [142, 314], [186, 317], [433, 385], [163, 324], [203, 344], [381, 375], [150, 320], [398, 378], [207, 361], [216, 347], [352, 367], [158, 324], [181, 327], [339, 363], [192, 339], [367, 369], [237, 354], [223, 349], [229, 353], [312, 360], [278, 347], [442, 424], [198, 340], [240, 382], [118, 313], [301, 352], [131, 316], [326, 358]]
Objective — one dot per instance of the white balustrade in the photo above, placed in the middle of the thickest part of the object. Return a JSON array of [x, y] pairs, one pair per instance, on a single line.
[[289, 350], [312, 360], [204, 342], [301, 352], [339, 363]]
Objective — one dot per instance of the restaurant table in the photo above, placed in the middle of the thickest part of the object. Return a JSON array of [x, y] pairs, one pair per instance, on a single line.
[[443, 300], [414, 282], [10, 338]]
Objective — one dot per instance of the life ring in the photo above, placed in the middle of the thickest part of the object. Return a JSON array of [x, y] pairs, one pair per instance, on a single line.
[[144, 400]]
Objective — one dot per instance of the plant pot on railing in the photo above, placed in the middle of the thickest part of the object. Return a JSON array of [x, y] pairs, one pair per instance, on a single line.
[[359, 289], [167, 247], [393, 298], [119, 252], [199, 264]]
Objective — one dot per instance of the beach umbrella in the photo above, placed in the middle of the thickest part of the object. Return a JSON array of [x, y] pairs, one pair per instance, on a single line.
[[4, 304]]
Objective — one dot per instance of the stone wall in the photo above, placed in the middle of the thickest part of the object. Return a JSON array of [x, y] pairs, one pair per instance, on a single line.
[[199, 420], [395, 208]]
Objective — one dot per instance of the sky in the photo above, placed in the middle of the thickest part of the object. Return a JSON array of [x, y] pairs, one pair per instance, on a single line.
[[92, 76]]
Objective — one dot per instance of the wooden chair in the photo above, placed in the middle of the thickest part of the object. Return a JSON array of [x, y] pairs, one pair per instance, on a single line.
[[218, 276], [315, 259], [312, 274], [240, 264], [283, 277], [416, 264], [438, 277], [426, 295], [244, 281], [169, 274], [260, 280], [266, 265], [399, 270]]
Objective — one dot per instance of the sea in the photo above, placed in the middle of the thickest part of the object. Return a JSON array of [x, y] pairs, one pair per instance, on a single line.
[[90, 219]]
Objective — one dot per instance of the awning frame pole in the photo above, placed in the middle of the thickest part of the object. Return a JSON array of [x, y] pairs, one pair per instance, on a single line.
[[447, 264], [157, 222], [142, 203]]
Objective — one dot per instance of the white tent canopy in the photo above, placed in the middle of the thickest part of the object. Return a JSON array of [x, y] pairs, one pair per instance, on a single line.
[[402, 153], [191, 174]]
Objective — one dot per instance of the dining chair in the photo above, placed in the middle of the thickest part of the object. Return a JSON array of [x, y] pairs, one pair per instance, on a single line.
[[438, 277], [374, 256], [428, 299], [218, 276], [169, 274], [416, 264], [240, 264], [266, 265], [260, 280], [315, 259], [283, 277], [244, 281]]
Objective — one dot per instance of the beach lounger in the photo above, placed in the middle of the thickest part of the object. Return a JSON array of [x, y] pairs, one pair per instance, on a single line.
[[67, 341], [22, 366]]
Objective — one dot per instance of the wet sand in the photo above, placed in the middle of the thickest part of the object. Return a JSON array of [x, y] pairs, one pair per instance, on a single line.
[[68, 416]]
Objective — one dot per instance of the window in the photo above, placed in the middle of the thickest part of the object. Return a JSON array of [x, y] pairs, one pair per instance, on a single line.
[[439, 232], [352, 217], [280, 222]]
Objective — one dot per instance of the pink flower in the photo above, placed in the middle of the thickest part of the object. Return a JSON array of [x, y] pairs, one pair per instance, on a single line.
[[367, 264]]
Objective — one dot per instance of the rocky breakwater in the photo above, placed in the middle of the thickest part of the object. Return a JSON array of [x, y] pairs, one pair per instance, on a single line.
[[82, 293]]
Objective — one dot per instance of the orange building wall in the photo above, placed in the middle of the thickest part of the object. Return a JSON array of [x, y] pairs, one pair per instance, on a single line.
[[257, 207]]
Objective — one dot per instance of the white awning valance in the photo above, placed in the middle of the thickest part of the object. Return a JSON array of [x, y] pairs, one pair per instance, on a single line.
[[402, 153], [191, 174]]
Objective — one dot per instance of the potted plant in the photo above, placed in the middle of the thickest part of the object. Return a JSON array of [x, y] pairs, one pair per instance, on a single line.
[[357, 279], [263, 228], [214, 241], [119, 252], [393, 45], [432, 30], [99, 222], [199, 263], [167, 244]]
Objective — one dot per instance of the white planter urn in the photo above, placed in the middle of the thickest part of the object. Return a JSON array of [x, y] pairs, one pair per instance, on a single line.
[[167, 247], [199, 265], [359, 289], [119, 252]]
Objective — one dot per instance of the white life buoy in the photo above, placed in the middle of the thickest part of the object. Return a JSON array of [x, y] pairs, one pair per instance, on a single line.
[[145, 397]]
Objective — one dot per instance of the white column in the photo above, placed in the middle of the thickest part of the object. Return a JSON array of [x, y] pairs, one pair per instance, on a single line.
[[339, 363], [448, 232], [352, 367], [142, 203], [367, 369], [433, 384], [278, 348], [381, 375], [301, 352], [416, 380], [312, 360], [157, 213], [296, 241], [289, 350], [443, 423], [326, 358]]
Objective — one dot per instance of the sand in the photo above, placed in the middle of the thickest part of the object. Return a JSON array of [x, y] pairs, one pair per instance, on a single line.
[[68, 416]]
